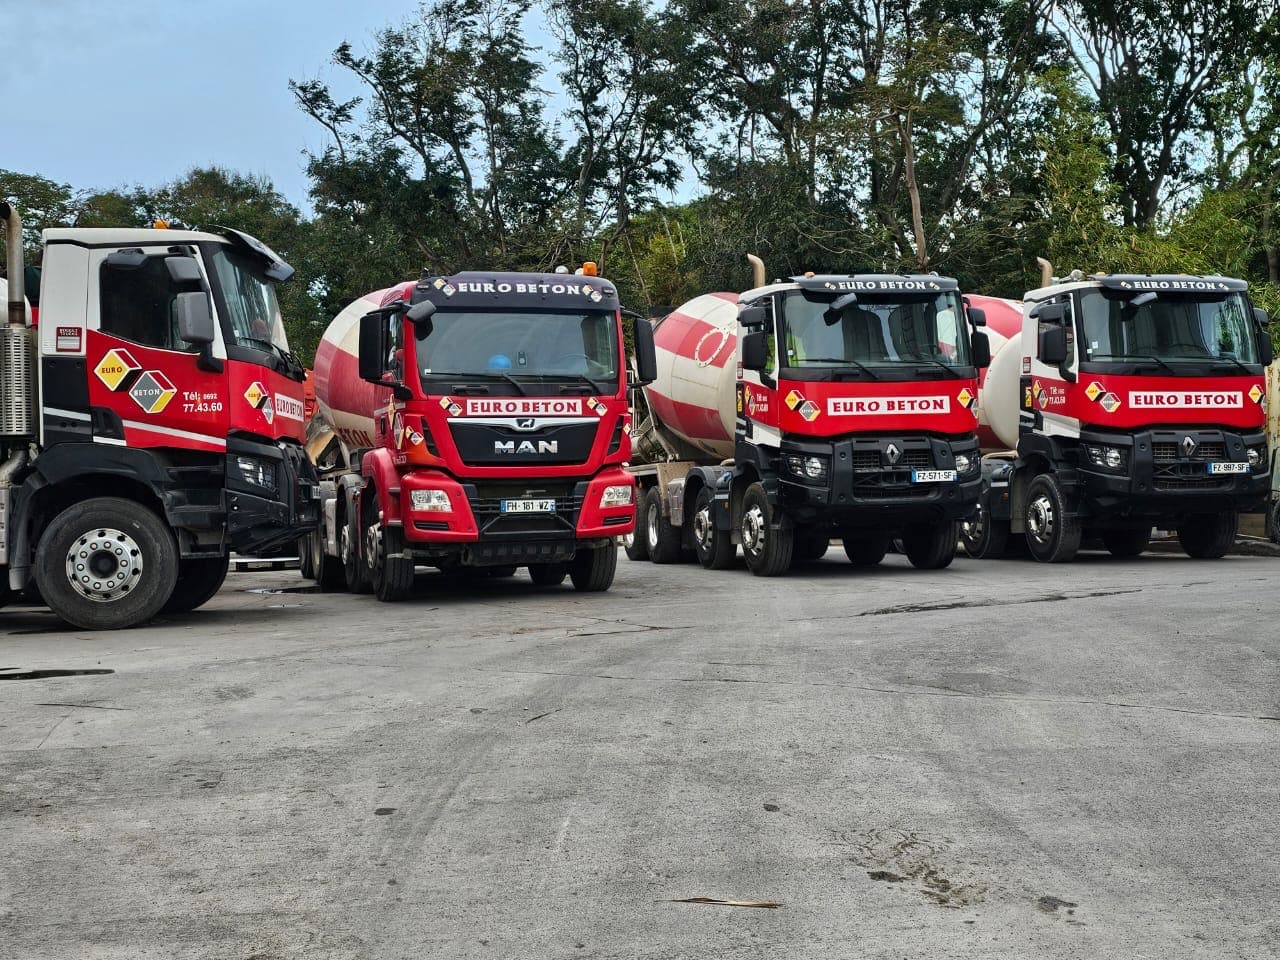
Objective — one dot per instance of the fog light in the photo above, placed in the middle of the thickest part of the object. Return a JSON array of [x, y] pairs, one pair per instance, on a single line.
[[815, 468], [617, 495], [429, 501], [1112, 457], [1254, 456], [963, 463]]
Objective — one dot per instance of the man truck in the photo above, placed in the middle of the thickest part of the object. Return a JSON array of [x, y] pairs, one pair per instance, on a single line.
[[150, 424], [475, 422], [819, 406]]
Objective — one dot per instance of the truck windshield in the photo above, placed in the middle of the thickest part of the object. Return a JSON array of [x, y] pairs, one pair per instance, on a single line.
[[519, 344], [253, 312], [1168, 329], [875, 332]]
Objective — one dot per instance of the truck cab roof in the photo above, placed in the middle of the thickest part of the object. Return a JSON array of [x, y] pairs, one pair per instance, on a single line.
[[1142, 282], [127, 236], [838, 283], [545, 291]]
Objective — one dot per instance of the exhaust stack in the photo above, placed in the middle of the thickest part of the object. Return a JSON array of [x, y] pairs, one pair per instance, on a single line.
[[17, 350], [758, 277], [1046, 271]]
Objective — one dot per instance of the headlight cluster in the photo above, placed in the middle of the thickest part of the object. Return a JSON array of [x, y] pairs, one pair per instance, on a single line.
[[1107, 457], [967, 463], [1257, 456], [807, 468], [429, 501], [255, 472], [616, 496]]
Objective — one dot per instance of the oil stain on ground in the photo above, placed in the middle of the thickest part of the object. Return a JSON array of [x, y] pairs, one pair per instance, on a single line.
[[896, 856]]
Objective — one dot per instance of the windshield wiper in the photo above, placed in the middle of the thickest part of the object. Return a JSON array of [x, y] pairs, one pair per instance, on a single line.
[[945, 366], [1234, 360], [1134, 356], [843, 360]]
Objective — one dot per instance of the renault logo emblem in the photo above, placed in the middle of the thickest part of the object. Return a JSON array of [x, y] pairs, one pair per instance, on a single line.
[[893, 453], [1188, 446]]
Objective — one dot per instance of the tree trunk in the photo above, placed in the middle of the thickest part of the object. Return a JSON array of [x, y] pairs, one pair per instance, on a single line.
[[913, 191]]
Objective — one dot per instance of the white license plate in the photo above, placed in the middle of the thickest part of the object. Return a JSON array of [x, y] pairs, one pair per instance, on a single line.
[[932, 476], [1228, 468], [528, 506]]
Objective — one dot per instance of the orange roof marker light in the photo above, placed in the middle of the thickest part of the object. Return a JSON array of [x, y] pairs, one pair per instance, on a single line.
[[589, 269], [160, 225]]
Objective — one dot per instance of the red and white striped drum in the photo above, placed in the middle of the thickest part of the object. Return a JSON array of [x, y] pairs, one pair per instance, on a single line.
[[346, 402]]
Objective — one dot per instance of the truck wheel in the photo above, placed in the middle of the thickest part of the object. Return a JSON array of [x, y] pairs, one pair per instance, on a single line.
[[592, 570], [199, 580], [636, 544], [1052, 536], [306, 558], [1208, 536], [548, 574], [329, 572], [661, 538], [930, 546], [390, 571], [1126, 541], [714, 548], [355, 571], [766, 550], [106, 564], [810, 545], [499, 573], [865, 551], [985, 537]]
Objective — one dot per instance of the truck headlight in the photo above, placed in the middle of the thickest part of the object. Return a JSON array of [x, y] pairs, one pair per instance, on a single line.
[[429, 501], [1107, 457], [616, 495], [254, 472], [810, 468], [965, 463]]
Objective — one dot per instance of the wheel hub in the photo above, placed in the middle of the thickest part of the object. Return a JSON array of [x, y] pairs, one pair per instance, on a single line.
[[702, 528], [104, 564], [753, 530], [652, 517], [1040, 518]]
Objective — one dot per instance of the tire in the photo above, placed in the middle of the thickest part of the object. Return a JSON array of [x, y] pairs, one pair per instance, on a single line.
[[662, 540], [147, 563], [714, 548], [865, 551], [306, 557], [810, 545], [198, 582], [390, 571], [1209, 536], [592, 569], [931, 546], [766, 549], [499, 572], [636, 544], [548, 574], [329, 572], [1126, 541], [985, 537], [355, 571], [1052, 535]]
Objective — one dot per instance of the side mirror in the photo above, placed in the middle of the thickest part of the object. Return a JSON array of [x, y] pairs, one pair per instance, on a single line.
[[373, 351], [977, 316], [831, 316], [126, 259], [1053, 346], [753, 314], [755, 351], [981, 348], [646, 354], [421, 312], [183, 269], [194, 316], [1049, 312], [1266, 353], [1261, 317]]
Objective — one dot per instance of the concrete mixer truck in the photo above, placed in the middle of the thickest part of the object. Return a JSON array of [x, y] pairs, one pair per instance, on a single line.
[[150, 425], [820, 406], [1126, 402], [474, 422]]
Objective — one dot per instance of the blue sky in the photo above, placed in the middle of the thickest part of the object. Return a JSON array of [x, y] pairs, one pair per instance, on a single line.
[[118, 92]]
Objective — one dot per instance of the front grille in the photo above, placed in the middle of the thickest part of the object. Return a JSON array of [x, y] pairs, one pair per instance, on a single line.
[[1205, 452], [875, 460], [1186, 476], [486, 505]]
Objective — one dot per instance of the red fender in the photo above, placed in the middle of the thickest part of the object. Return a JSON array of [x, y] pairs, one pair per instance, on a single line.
[[378, 466]]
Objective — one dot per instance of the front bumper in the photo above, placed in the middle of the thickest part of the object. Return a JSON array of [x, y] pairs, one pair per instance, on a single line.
[[1164, 476], [868, 485], [260, 519], [476, 530]]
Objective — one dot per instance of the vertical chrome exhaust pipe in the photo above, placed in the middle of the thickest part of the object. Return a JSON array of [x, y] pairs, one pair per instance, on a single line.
[[1046, 271], [17, 347], [14, 265], [758, 276]]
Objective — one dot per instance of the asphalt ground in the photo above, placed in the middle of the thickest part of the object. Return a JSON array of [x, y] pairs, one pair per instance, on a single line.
[[998, 760]]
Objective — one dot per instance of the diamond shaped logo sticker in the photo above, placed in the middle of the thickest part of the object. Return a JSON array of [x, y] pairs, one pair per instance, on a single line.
[[1037, 389], [1094, 390], [794, 399], [256, 395], [153, 391], [1026, 397], [965, 397], [808, 410], [1256, 394], [1110, 402], [269, 412], [117, 369]]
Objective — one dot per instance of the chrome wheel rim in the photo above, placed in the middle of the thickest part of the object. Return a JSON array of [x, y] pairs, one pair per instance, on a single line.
[[753, 529], [652, 517], [1040, 518], [104, 564], [703, 531]]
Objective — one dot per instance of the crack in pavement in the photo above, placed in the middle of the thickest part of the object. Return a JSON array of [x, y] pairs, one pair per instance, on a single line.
[[958, 604], [895, 691]]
